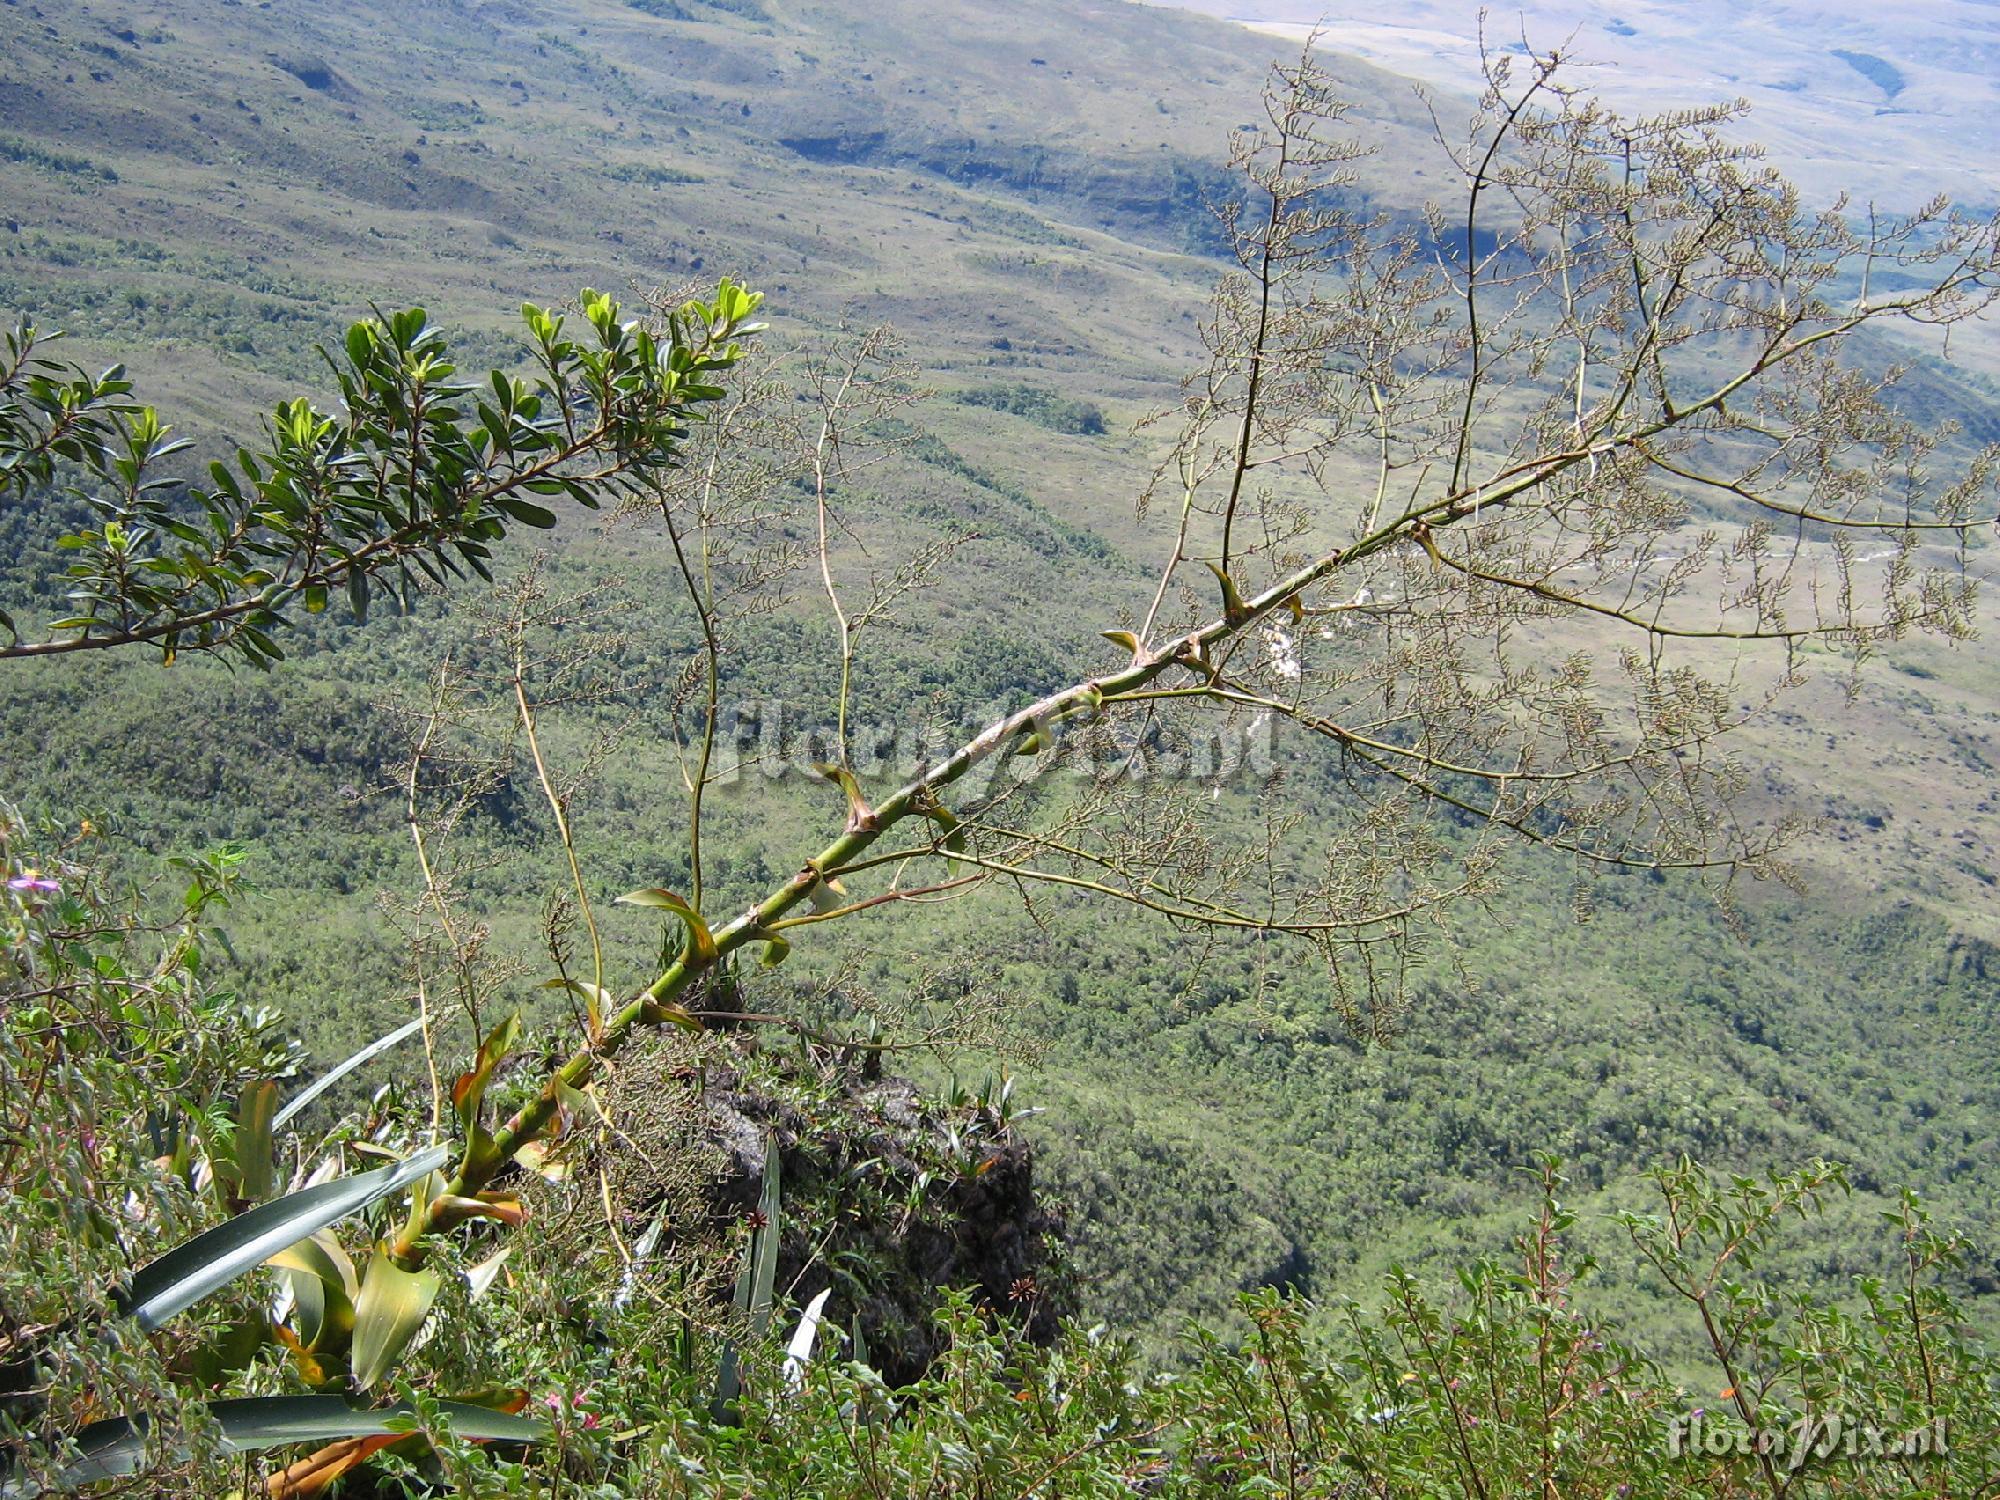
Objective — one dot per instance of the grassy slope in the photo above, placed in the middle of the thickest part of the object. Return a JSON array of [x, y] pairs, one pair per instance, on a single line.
[[1021, 220]]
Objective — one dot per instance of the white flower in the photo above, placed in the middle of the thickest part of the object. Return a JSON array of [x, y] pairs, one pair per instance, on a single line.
[[801, 1347], [1284, 653]]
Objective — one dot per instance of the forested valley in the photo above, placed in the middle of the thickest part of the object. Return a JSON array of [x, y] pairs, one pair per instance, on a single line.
[[812, 749]]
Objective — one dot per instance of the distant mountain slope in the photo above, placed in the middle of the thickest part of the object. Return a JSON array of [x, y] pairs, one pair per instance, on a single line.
[[277, 165], [1889, 102], [210, 188]]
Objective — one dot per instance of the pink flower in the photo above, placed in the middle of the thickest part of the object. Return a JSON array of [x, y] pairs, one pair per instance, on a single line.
[[33, 881], [554, 1402]]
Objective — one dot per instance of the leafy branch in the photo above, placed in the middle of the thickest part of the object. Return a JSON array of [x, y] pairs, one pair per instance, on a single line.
[[419, 476]]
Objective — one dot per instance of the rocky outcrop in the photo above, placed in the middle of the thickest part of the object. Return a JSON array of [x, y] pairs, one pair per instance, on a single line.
[[887, 1197]]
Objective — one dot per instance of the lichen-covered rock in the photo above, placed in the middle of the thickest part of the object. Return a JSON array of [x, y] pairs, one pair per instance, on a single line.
[[887, 1198]]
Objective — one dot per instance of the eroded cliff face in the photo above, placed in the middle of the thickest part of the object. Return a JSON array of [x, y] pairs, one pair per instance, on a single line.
[[888, 1198]]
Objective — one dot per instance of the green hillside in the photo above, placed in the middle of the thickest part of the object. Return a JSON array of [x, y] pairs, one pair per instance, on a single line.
[[209, 189]]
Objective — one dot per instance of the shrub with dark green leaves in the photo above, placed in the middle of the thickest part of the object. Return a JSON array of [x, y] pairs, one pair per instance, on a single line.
[[420, 473], [1045, 408]]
